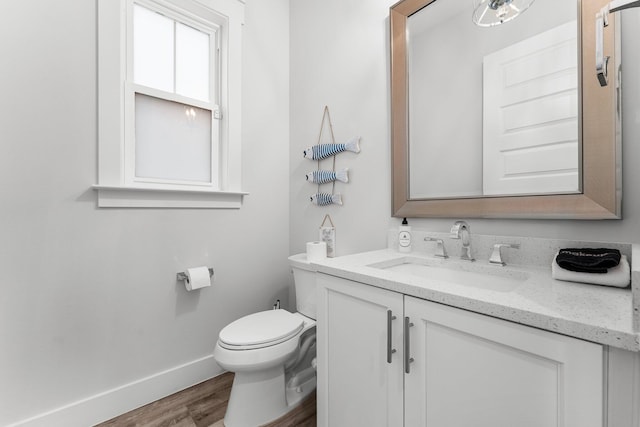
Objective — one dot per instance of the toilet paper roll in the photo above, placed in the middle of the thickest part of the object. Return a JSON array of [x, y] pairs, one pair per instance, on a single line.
[[316, 251], [197, 277]]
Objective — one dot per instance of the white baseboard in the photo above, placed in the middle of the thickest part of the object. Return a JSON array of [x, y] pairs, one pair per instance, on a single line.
[[111, 403]]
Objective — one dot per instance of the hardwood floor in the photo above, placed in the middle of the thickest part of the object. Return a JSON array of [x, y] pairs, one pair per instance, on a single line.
[[204, 405]]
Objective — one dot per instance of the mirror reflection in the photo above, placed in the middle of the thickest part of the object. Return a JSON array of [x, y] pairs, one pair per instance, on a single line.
[[493, 111]]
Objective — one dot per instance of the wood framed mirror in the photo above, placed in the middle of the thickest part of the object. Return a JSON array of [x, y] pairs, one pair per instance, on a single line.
[[598, 195]]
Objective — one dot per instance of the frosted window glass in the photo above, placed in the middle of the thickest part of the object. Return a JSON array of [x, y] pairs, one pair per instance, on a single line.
[[173, 140], [152, 49], [192, 62]]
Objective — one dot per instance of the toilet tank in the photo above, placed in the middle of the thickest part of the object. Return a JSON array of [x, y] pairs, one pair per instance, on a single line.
[[304, 277]]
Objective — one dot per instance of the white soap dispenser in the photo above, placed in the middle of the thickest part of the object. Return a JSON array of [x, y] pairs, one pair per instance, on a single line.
[[404, 237]]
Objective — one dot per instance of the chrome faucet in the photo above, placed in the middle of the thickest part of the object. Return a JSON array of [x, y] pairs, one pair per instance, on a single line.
[[461, 230], [496, 255], [441, 251]]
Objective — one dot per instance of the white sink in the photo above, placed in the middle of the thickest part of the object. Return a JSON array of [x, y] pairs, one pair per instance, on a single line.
[[465, 273]]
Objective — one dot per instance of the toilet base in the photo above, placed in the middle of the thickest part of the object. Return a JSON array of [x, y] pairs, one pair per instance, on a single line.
[[259, 397], [295, 395]]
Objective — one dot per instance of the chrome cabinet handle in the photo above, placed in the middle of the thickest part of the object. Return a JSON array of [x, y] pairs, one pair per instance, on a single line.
[[407, 346], [390, 350]]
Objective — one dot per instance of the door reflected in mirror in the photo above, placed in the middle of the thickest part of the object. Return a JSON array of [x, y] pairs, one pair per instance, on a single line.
[[493, 111]]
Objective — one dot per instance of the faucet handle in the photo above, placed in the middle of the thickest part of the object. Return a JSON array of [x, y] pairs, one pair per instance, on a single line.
[[441, 251], [496, 255]]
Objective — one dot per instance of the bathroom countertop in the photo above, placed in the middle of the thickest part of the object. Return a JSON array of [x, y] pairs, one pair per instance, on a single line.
[[594, 313]]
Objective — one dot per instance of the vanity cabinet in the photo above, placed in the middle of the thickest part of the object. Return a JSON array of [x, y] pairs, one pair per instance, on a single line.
[[360, 380], [387, 359], [474, 370]]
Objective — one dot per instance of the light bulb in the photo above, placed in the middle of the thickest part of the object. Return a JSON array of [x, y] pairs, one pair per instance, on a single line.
[[502, 12]]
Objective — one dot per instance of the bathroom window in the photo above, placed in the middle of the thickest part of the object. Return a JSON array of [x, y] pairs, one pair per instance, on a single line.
[[169, 104]]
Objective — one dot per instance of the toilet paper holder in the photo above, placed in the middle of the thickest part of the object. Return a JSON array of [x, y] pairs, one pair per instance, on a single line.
[[183, 275]]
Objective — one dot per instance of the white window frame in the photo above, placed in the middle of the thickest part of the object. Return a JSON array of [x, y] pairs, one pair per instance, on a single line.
[[212, 27], [117, 184]]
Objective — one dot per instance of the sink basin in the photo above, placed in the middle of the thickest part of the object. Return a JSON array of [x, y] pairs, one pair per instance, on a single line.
[[483, 276]]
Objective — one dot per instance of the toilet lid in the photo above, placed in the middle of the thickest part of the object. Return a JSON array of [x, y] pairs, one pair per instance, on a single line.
[[261, 329]]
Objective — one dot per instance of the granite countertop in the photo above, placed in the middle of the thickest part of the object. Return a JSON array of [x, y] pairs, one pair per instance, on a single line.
[[594, 313]]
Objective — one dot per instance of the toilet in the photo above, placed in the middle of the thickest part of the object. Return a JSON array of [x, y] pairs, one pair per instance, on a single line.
[[272, 354]]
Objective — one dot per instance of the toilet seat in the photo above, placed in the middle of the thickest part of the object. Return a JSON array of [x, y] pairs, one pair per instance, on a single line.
[[259, 330]]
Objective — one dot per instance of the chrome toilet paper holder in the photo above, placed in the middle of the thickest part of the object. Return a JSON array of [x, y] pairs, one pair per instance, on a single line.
[[182, 276]]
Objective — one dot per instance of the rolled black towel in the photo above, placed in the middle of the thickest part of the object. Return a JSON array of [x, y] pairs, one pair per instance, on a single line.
[[588, 260]]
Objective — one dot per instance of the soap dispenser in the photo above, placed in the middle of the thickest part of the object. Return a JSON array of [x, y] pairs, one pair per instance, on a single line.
[[404, 237]]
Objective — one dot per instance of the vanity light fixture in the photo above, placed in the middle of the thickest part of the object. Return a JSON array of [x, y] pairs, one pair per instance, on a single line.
[[487, 13]]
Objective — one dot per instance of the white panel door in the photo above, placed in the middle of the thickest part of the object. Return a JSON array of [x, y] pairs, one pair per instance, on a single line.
[[357, 385], [530, 115], [472, 370]]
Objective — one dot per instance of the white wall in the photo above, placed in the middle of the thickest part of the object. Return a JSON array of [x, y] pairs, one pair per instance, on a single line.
[[339, 57], [88, 297]]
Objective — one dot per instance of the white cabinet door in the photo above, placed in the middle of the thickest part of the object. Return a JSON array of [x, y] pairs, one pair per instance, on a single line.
[[472, 370], [357, 385]]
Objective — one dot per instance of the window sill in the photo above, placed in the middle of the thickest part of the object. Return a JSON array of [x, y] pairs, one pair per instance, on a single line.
[[138, 197]]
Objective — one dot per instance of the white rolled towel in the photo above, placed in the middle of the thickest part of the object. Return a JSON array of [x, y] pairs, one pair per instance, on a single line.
[[618, 276]]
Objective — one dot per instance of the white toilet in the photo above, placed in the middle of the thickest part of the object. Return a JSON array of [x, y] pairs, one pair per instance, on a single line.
[[272, 354]]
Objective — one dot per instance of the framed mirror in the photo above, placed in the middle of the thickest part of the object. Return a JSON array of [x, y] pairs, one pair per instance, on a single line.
[[507, 121]]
